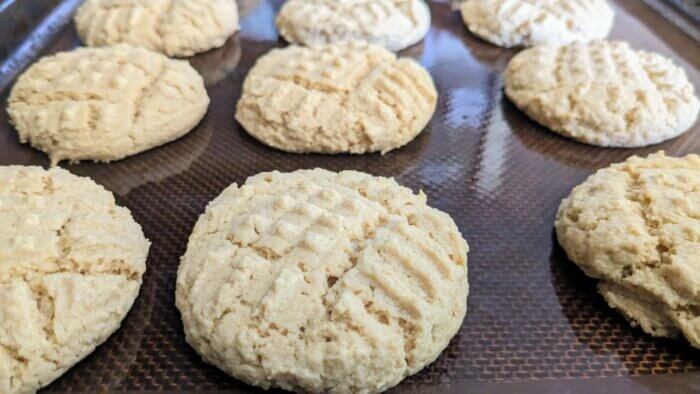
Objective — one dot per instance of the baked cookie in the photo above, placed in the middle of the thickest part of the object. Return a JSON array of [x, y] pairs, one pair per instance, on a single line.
[[603, 93], [392, 24], [319, 281], [336, 98], [652, 317], [635, 226], [71, 263], [510, 23], [173, 27], [104, 104]]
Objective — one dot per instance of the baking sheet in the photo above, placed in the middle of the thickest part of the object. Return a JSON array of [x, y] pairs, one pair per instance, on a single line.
[[535, 323]]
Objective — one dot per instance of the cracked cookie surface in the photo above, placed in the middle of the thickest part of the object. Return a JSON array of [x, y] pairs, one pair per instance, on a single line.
[[603, 93], [104, 104], [71, 263], [392, 24], [173, 27], [510, 23], [636, 227], [322, 282], [336, 98]]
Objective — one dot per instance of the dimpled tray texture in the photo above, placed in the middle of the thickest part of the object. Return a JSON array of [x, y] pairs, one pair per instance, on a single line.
[[535, 323]]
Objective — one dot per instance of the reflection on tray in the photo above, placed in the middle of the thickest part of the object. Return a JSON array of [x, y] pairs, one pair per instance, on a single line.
[[151, 166], [217, 64]]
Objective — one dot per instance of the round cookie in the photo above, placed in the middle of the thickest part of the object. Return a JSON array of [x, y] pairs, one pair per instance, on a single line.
[[71, 263], [104, 104], [510, 23], [392, 24], [603, 93], [635, 226], [173, 27], [319, 281], [336, 98]]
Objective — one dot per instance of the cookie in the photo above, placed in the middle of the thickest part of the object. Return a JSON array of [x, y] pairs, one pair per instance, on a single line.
[[336, 98], [652, 317], [319, 281], [71, 267], [392, 24], [173, 27], [105, 104], [510, 23], [603, 93], [634, 226]]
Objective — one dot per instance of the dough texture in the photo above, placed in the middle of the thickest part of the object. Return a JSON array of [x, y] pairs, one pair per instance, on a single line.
[[392, 24], [104, 104], [319, 281], [603, 93], [336, 98], [635, 226], [510, 23], [71, 263], [652, 317], [173, 27]]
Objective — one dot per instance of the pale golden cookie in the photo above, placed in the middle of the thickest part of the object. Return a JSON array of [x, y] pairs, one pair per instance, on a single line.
[[636, 227], [510, 23], [652, 317], [172, 27], [105, 104], [71, 263], [319, 281], [336, 98], [603, 93], [392, 24]]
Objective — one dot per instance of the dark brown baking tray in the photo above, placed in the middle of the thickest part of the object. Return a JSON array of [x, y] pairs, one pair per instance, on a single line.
[[535, 323]]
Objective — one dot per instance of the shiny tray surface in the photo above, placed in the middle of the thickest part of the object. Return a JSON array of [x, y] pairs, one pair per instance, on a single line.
[[535, 323]]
